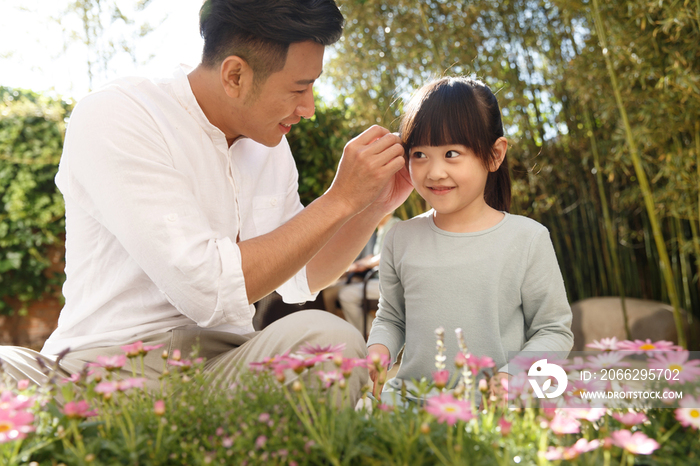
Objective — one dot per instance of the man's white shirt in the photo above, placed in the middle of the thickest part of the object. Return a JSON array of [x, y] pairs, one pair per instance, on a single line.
[[155, 201]]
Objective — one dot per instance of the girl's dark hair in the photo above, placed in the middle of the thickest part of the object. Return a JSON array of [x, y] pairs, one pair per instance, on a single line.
[[459, 110], [260, 31]]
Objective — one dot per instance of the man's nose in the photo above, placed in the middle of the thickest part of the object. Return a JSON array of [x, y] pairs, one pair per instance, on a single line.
[[307, 107]]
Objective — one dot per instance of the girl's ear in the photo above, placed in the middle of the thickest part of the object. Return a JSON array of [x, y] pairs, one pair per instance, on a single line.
[[499, 153]]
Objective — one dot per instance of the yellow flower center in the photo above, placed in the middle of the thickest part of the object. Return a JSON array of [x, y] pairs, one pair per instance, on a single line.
[[450, 409], [577, 392], [694, 413], [677, 367], [5, 426], [647, 346]]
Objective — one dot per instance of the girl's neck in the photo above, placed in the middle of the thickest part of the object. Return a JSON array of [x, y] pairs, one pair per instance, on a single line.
[[478, 219]]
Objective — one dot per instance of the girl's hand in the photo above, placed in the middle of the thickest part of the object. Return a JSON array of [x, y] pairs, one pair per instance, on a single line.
[[497, 390], [380, 357]]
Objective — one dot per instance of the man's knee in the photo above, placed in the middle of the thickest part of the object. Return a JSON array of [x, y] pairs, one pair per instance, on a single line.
[[323, 328]]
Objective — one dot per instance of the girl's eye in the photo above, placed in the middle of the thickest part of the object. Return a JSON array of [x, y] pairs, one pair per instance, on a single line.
[[451, 154], [418, 155]]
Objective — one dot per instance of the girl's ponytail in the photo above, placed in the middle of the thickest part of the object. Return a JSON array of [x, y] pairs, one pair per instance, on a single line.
[[497, 191]]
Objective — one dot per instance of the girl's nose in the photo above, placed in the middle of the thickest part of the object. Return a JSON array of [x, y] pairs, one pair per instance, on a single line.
[[436, 170]]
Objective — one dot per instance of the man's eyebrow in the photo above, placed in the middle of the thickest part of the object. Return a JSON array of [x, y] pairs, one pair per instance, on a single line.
[[306, 82]]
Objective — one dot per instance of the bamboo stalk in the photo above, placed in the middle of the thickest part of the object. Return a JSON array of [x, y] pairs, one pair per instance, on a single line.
[[643, 182], [683, 264], [610, 233]]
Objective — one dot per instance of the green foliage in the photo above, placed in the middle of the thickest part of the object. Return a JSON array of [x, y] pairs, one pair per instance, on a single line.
[[317, 144], [107, 419], [31, 208], [543, 59]]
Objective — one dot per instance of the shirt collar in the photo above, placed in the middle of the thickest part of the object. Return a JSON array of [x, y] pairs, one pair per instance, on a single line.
[[183, 93]]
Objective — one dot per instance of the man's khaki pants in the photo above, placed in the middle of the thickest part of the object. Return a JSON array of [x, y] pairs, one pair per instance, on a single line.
[[226, 354]]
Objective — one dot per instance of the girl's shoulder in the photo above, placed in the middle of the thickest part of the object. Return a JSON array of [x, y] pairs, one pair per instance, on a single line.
[[524, 224]]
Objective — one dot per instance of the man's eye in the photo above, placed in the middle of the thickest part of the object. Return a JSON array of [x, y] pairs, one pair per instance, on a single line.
[[451, 154]]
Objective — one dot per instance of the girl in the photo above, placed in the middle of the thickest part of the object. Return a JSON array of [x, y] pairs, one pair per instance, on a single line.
[[467, 262]]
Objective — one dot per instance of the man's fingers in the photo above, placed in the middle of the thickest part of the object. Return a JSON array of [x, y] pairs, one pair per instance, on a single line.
[[371, 134]]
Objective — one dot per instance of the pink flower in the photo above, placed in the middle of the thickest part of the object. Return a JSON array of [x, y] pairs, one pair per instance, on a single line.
[[378, 360], [10, 402], [647, 346], [460, 360], [183, 364], [120, 385], [106, 387], [124, 385], [522, 362], [605, 344], [448, 409], [441, 378], [675, 366], [23, 384], [269, 362], [74, 378], [637, 443], [564, 424], [110, 363], [689, 412], [477, 363], [264, 417], [137, 349], [260, 441], [572, 452], [78, 410], [348, 364], [15, 425], [607, 361], [589, 414], [385, 407], [307, 348], [329, 378], [630, 418], [505, 426], [159, 407]]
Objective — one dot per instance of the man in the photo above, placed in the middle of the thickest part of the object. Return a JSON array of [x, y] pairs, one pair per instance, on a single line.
[[181, 202]]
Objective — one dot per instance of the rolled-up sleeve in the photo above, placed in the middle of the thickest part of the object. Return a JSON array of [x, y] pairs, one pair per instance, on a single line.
[[296, 289]]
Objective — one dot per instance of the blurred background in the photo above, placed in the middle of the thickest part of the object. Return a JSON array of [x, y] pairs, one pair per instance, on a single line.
[[600, 100]]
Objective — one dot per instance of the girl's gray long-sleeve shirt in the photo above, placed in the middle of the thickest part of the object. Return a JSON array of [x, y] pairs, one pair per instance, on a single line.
[[501, 286]]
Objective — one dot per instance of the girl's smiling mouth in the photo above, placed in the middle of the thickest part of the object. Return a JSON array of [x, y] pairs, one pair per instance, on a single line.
[[439, 190]]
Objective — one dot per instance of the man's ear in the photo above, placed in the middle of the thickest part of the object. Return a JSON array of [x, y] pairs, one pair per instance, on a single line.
[[236, 76], [499, 153]]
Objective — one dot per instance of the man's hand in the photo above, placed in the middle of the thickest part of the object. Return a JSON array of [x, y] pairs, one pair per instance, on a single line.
[[379, 355], [396, 191], [368, 170]]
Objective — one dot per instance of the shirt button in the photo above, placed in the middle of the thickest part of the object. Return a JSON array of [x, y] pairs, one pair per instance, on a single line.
[[172, 217], [273, 201]]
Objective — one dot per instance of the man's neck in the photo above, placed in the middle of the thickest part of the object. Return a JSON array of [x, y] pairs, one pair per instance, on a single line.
[[210, 96]]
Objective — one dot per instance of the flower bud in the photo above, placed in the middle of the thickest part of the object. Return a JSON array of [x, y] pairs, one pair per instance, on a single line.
[[425, 428], [296, 386], [159, 407], [483, 386]]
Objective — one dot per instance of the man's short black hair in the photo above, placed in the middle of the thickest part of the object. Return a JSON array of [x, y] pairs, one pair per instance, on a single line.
[[260, 31]]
